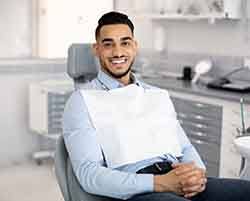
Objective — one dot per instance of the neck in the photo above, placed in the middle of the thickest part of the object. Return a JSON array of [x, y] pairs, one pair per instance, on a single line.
[[125, 79]]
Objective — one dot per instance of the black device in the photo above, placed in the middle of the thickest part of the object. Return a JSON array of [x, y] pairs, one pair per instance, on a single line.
[[227, 84], [187, 74], [157, 168]]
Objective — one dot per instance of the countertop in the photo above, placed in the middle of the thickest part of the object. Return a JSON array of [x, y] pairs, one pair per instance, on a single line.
[[32, 65], [175, 84], [168, 81]]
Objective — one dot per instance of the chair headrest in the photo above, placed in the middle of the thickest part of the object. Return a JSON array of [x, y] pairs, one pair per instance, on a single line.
[[81, 63], [83, 66]]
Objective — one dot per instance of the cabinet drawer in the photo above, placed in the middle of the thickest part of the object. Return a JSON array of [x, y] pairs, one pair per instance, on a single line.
[[199, 119], [208, 151], [57, 98], [197, 108], [212, 169], [213, 134], [56, 104], [206, 137]]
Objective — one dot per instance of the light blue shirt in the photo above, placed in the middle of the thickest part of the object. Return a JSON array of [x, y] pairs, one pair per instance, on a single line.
[[88, 159]]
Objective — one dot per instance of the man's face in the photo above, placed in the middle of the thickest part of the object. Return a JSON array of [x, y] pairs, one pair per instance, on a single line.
[[116, 49]]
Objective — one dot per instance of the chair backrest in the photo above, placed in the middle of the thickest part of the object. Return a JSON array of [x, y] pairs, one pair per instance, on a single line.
[[69, 185], [81, 66], [61, 157]]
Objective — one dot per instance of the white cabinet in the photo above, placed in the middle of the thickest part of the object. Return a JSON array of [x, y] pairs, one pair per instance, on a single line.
[[46, 104], [63, 22]]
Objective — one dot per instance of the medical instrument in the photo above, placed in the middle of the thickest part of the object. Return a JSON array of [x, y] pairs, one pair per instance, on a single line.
[[201, 68], [242, 115]]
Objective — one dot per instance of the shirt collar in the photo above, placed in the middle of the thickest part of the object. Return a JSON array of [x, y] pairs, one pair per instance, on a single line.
[[112, 83]]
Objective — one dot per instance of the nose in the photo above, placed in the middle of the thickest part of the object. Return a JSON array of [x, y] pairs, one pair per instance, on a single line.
[[117, 51]]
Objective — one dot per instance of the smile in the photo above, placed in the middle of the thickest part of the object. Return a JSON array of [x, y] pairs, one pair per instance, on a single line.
[[118, 61]]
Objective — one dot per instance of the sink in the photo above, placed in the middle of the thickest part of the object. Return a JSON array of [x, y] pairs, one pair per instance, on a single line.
[[243, 146]]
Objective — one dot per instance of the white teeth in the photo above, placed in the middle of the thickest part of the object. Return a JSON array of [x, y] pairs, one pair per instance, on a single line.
[[118, 61]]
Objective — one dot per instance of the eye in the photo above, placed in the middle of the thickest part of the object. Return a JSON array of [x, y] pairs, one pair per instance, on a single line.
[[126, 43], [107, 45]]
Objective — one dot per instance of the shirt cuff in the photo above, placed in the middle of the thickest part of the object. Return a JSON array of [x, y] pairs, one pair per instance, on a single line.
[[145, 183]]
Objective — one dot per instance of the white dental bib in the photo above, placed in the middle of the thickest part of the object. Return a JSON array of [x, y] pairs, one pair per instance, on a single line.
[[133, 123]]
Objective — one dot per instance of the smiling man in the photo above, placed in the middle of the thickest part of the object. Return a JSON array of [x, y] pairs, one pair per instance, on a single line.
[[122, 135], [116, 50]]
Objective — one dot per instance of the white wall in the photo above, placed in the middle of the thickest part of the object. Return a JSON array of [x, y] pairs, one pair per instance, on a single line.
[[225, 37], [63, 22], [17, 142], [68, 20], [16, 28]]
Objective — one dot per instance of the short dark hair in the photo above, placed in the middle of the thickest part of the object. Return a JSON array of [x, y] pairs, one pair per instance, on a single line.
[[113, 18]]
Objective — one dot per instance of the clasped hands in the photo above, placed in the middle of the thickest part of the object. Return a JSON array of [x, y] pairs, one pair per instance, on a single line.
[[185, 179]]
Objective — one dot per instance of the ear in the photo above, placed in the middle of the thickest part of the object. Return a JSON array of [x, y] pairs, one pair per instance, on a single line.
[[95, 49]]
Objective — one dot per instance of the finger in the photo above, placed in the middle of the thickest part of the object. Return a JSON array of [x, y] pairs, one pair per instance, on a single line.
[[190, 192], [202, 171], [180, 192], [184, 169], [194, 188], [203, 187], [204, 181], [192, 181], [191, 189], [176, 165], [195, 172], [190, 173], [189, 195], [181, 168]]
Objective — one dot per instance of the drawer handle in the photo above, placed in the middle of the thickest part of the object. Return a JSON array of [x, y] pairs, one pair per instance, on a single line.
[[201, 134], [180, 121], [198, 142], [182, 115], [199, 117], [198, 133], [199, 126], [199, 105]]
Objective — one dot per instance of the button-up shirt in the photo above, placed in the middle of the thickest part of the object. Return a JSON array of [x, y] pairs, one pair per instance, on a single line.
[[87, 157]]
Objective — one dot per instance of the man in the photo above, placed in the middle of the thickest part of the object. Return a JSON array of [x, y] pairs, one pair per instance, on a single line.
[[122, 135]]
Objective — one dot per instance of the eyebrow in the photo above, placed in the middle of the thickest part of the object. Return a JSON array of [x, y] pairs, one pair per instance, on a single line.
[[107, 40], [126, 38], [122, 39]]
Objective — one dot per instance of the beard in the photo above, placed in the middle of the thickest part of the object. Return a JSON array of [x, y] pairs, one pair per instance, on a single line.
[[117, 75]]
